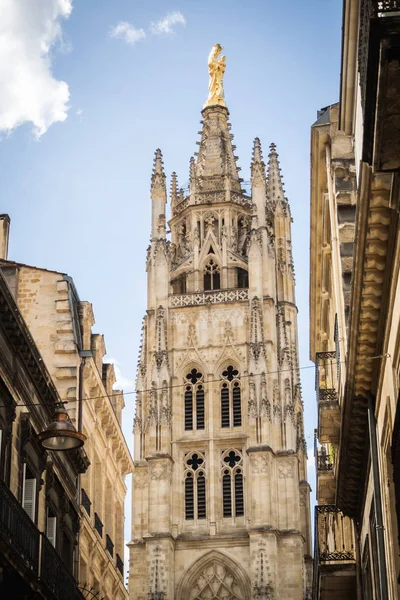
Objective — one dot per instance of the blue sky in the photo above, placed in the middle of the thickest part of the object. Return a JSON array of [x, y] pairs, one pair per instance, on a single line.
[[78, 195]]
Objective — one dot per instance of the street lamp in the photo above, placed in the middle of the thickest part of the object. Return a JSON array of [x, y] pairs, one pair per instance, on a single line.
[[61, 435]]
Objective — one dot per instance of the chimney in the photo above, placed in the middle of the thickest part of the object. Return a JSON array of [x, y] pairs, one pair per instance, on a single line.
[[4, 233]]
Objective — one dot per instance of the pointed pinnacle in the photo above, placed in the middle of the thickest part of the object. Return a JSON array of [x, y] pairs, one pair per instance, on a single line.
[[158, 175], [257, 151], [174, 188], [275, 191], [257, 165]]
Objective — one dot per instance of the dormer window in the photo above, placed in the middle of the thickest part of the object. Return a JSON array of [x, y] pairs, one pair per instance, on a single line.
[[212, 277]]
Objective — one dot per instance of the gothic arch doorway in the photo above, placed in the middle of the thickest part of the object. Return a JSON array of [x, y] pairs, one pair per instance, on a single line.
[[214, 577]]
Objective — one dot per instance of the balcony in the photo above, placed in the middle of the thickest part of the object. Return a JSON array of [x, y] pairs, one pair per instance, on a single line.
[[378, 55], [120, 565], [335, 559], [326, 385], [109, 546], [98, 525], [56, 575], [85, 501], [18, 530], [326, 483], [214, 297], [31, 553]]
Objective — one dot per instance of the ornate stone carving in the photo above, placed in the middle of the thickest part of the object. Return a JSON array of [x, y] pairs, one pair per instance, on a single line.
[[262, 588], [265, 404], [140, 477], [160, 470], [256, 330], [252, 404], [157, 575], [285, 470], [199, 298], [218, 582], [259, 463]]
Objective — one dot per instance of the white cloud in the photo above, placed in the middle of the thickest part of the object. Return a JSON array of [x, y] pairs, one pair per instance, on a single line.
[[165, 26], [122, 383], [125, 31], [29, 92]]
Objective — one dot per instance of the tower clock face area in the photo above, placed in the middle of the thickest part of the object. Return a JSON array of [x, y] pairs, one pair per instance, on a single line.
[[220, 498]]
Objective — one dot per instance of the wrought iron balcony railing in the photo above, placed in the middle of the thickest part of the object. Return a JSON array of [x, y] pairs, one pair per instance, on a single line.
[[85, 502], [326, 377], [18, 530], [120, 565], [33, 547], [324, 462], [56, 575], [334, 535], [109, 545], [98, 525]]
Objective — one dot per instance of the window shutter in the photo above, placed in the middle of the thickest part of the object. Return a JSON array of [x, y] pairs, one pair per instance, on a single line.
[[29, 495], [237, 409], [239, 504], [51, 530], [227, 495], [189, 498], [200, 408], [188, 409], [225, 406], [201, 496]]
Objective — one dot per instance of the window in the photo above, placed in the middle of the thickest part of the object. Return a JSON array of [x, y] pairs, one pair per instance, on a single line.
[[194, 401], [195, 486], [212, 279], [51, 527], [232, 484], [242, 278], [231, 403], [179, 285], [29, 492]]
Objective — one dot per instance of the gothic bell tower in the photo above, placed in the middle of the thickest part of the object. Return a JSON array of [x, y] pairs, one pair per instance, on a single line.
[[220, 497]]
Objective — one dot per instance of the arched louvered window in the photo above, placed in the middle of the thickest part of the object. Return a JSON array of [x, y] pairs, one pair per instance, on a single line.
[[194, 401], [195, 486], [231, 401], [232, 483], [212, 277]]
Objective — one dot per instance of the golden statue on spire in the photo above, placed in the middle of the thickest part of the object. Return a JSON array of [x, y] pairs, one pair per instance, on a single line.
[[216, 69]]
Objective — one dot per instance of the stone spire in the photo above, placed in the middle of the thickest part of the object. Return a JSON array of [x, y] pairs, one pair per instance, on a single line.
[[215, 172], [158, 194], [257, 164], [258, 182], [174, 189], [275, 190]]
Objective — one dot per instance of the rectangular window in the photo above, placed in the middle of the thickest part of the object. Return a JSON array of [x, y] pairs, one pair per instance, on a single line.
[[200, 408], [201, 497], [225, 406], [188, 410], [227, 495], [189, 504], [239, 503], [237, 410]]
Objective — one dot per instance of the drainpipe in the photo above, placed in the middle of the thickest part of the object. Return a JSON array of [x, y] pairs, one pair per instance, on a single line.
[[383, 582]]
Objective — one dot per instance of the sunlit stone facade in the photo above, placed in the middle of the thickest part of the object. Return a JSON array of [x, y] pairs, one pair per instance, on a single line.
[[220, 492]]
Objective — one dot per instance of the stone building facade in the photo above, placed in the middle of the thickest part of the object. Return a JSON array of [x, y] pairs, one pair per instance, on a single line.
[[220, 496], [355, 312], [61, 325], [39, 510]]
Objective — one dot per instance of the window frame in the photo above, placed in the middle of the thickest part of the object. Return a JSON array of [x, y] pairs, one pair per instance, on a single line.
[[194, 402], [193, 475], [230, 383]]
